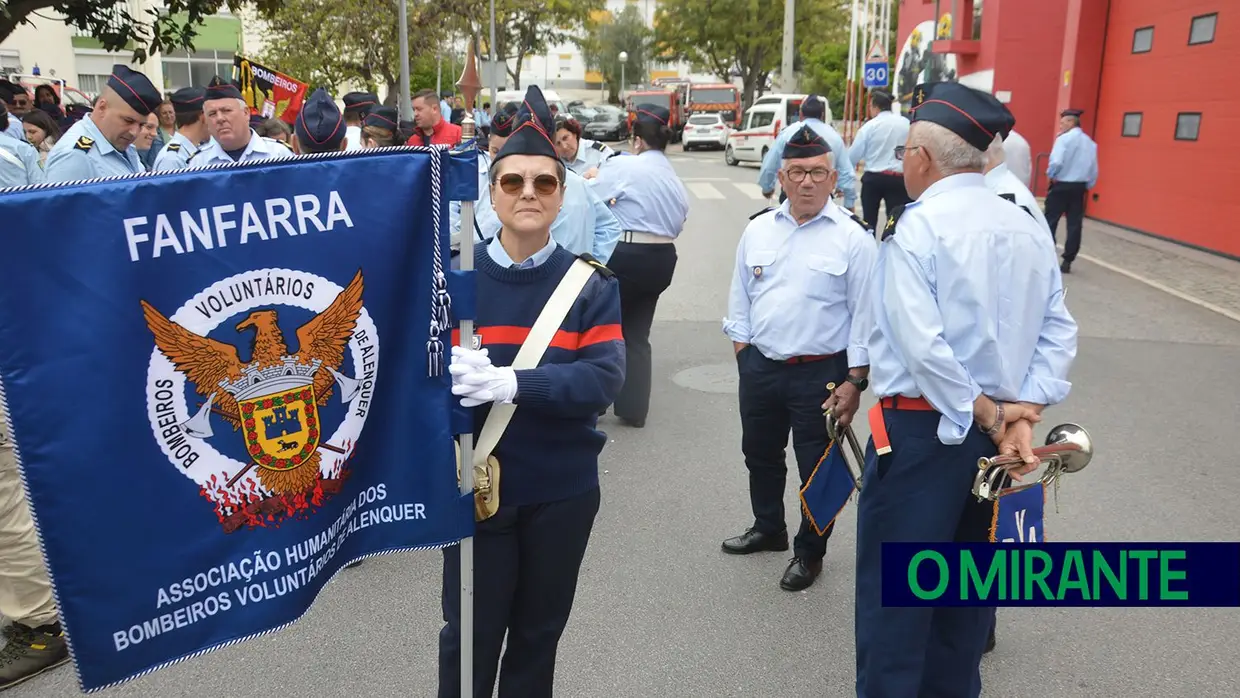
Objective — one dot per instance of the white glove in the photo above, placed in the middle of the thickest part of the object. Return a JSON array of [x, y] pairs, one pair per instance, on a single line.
[[487, 384], [465, 360]]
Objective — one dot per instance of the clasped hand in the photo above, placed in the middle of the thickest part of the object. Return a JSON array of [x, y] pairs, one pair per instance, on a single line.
[[477, 382], [1015, 437]]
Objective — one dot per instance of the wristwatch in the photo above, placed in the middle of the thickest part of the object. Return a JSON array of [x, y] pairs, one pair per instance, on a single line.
[[860, 383]]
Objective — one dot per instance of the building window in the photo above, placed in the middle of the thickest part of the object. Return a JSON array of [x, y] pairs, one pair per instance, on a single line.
[[1143, 40], [91, 84], [1187, 125], [1132, 125], [10, 61], [184, 70], [1202, 30]]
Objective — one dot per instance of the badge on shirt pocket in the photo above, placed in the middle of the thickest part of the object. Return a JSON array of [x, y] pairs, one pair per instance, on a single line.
[[759, 260], [475, 342]]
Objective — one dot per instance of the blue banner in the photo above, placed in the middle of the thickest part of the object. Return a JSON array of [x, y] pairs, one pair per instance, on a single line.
[[224, 386], [828, 489], [1062, 574], [1020, 515]]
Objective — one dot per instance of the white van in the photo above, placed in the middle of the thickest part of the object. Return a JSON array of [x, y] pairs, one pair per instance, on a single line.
[[769, 115], [551, 96]]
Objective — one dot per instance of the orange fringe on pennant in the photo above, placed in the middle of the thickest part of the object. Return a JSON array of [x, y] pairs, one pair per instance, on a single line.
[[805, 506], [994, 517]]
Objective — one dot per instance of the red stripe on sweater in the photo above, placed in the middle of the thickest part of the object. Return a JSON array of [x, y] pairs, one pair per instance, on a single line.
[[510, 334]]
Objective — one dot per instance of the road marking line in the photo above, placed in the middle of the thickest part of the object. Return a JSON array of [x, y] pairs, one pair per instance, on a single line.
[[705, 179], [1162, 287], [750, 189], [704, 190]]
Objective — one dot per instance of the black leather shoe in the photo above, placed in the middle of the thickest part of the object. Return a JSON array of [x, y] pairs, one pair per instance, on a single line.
[[752, 541], [800, 574], [990, 642], [635, 423], [1065, 267]]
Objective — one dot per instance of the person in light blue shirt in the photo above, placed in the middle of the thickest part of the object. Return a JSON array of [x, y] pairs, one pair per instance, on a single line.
[[101, 144], [651, 203], [875, 144], [814, 113], [191, 130], [797, 320], [971, 340], [1073, 171], [19, 161]]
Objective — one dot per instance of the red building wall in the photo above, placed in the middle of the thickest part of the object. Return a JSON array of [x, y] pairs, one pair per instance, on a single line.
[[1183, 190]]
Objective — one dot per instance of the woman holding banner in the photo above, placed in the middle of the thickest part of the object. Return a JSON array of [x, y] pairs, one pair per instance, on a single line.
[[535, 521]]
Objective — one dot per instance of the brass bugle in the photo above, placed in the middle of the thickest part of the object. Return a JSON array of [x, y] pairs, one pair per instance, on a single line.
[[1068, 449], [844, 434]]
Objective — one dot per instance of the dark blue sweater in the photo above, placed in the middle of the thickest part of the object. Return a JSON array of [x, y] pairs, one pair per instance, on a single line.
[[550, 450]]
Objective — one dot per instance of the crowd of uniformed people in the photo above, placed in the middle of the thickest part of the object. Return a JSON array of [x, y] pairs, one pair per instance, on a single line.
[[953, 316]]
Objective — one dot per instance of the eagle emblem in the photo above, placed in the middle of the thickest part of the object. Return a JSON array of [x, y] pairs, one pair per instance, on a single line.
[[274, 398]]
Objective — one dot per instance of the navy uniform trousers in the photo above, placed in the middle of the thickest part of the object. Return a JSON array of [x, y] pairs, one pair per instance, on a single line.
[[1067, 198], [645, 271], [920, 492], [526, 561], [776, 397]]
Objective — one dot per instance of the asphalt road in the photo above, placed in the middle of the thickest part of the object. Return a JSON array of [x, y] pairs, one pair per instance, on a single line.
[[662, 613]]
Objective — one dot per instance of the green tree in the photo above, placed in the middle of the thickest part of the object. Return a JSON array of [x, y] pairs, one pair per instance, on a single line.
[[529, 27], [824, 63], [606, 37], [330, 42], [739, 37], [171, 27]]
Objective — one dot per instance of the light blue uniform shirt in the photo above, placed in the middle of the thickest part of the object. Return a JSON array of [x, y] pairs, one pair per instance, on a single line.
[[589, 154], [72, 158], [876, 142], [801, 290], [19, 163], [258, 148], [1074, 158], [500, 256], [584, 223], [644, 193], [176, 154], [767, 178], [15, 129], [967, 300]]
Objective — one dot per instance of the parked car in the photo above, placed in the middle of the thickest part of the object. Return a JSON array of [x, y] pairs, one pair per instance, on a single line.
[[769, 115], [552, 98], [609, 124], [706, 131]]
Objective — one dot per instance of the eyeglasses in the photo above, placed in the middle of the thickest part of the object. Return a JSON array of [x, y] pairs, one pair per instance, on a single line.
[[544, 184], [902, 149], [817, 176]]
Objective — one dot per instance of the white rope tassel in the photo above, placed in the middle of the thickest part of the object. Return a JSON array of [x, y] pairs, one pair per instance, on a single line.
[[440, 302]]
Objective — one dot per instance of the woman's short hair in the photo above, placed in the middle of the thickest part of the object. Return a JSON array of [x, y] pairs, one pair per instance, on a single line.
[[655, 136], [569, 125], [382, 137], [272, 128]]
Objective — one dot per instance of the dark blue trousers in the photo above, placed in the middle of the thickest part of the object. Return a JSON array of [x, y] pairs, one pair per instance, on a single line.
[[526, 561], [920, 492]]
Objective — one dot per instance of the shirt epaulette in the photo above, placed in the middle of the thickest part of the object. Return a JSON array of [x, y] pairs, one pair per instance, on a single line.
[[1009, 196], [84, 143], [859, 221], [892, 216], [174, 147], [599, 267], [194, 155], [599, 147], [1012, 197], [768, 209], [273, 140]]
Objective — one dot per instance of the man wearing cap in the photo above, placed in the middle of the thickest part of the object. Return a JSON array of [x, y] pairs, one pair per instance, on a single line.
[[320, 127], [814, 114], [811, 255], [971, 340], [1073, 170], [875, 145], [232, 138], [101, 145], [356, 104], [651, 203], [433, 128], [191, 130], [1001, 179]]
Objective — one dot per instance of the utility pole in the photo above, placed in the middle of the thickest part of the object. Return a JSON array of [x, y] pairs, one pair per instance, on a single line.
[[406, 107], [495, 74], [787, 82]]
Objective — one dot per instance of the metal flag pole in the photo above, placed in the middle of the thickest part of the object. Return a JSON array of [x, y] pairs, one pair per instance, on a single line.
[[469, 85], [494, 65], [406, 108], [851, 73]]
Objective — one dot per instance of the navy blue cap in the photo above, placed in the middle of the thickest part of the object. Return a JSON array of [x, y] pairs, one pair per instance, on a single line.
[[533, 126], [653, 114], [320, 126], [805, 143], [973, 115], [813, 107], [382, 117], [1072, 112], [1009, 122], [219, 88], [135, 89], [359, 101], [504, 119], [188, 100]]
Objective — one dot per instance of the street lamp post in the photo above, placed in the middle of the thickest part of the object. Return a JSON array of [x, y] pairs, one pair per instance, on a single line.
[[624, 58]]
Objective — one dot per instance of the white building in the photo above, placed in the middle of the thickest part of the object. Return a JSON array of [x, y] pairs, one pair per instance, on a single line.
[[60, 51], [564, 66]]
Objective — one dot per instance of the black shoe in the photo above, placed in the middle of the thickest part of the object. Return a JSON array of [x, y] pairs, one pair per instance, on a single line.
[[635, 423], [990, 642], [752, 541], [800, 574], [1065, 267]]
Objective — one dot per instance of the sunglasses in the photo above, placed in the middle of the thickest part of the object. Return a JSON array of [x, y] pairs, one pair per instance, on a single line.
[[544, 184]]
